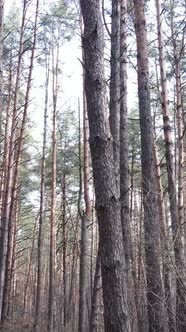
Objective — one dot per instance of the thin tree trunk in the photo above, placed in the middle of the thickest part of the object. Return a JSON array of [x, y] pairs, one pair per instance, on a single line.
[[164, 243], [6, 134], [64, 241], [29, 266], [115, 85], [93, 326], [155, 293], [42, 209], [124, 166], [176, 226], [106, 187], [16, 175], [8, 187], [1, 67], [52, 265], [86, 215]]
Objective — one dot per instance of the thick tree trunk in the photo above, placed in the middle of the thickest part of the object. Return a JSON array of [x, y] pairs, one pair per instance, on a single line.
[[106, 188], [155, 294]]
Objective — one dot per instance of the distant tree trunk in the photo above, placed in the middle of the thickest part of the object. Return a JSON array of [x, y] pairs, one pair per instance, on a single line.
[[181, 293], [73, 271], [83, 275], [155, 293], [42, 209], [15, 176], [9, 177], [176, 226], [164, 243], [64, 241], [29, 270], [1, 67], [115, 85], [52, 264], [86, 214], [106, 188], [124, 166], [93, 327], [6, 133]]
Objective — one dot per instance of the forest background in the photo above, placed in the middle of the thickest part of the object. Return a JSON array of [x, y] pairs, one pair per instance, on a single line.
[[59, 271]]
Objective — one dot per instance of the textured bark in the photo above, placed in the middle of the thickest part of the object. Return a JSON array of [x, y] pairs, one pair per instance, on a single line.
[[155, 294], [93, 326], [115, 84], [107, 198], [124, 166], [174, 205]]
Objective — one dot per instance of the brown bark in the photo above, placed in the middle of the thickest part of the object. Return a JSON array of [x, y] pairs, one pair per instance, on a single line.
[[155, 294], [9, 178], [106, 188], [15, 176]]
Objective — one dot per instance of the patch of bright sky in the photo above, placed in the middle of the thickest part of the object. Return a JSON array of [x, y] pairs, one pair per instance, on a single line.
[[71, 78], [70, 81]]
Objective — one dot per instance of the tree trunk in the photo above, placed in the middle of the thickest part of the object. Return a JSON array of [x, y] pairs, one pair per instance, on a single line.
[[176, 226], [115, 84], [124, 167], [155, 294], [93, 327], [42, 209], [1, 66], [164, 243], [106, 188], [15, 176], [52, 264], [64, 241], [86, 215], [9, 178]]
